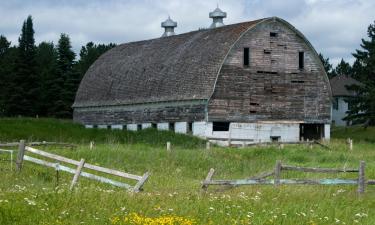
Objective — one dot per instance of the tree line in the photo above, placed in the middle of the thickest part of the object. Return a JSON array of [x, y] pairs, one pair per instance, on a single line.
[[42, 80]]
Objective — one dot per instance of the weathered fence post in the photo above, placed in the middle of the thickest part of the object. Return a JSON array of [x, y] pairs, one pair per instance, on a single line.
[[351, 144], [208, 179], [78, 172], [277, 173], [92, 144], [361, 177], [21, 153], [208, 145], [138, 187], [168, 146], [229, 136]]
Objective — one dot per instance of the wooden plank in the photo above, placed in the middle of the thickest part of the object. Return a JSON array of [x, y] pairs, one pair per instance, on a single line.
[[21, 153], [87, 165], [84, 174], [281, 181], [277, 172], [141, 182], [322, 145], [318, 170], [208, 178], [361, 177], [262, 175], [77, 173]]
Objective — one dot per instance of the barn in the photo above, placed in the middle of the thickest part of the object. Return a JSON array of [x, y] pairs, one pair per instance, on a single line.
[[255, 81]]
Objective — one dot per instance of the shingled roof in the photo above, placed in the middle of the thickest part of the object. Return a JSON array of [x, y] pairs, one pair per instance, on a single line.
[[339, 84], [180, 67]]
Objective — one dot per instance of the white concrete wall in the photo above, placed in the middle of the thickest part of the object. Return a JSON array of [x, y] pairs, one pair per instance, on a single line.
[[340, 113], [199, 129], [117, 127], [89, 126], [181, 127], [132, 127], [103, 126], [146, 125], [327, 131], [163, 126]]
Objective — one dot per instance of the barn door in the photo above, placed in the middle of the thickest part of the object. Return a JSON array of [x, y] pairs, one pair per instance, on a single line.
[[311, 131]]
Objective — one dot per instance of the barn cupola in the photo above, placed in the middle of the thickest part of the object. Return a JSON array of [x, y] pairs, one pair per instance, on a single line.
[[169, 26], [217, 16]]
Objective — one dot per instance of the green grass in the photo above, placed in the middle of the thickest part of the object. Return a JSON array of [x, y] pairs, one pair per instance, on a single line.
[[33, 197]]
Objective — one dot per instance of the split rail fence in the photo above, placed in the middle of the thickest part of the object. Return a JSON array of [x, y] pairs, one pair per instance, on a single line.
[[279, 167], [80, 166]]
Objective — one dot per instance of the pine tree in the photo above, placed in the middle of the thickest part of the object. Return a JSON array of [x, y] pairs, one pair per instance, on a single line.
[[66, 77], [4, 70], [343, 68], [327, 66], [363, 107], [24, 98]]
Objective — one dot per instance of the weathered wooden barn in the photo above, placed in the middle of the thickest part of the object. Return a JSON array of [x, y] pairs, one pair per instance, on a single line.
[[258, 81]]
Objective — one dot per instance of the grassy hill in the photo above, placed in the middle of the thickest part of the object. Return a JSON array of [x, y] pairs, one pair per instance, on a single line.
[[172, 195]]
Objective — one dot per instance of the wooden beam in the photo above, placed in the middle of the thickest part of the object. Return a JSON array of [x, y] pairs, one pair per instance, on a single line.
[[77, 173], [141, 182], [21, 153], [208, 178], [281, 181], [87, 165], [277, 172], [361, 177], [318, 170]]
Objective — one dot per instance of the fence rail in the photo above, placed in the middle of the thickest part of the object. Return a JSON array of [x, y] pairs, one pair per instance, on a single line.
[[276, 173], [80, 165]]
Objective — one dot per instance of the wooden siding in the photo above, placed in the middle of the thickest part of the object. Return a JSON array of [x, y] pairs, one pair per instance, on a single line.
[[272, 87]]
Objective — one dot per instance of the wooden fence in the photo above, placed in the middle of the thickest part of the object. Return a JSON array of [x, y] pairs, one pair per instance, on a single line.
[[10, 152], [38, 143], [276, 173], [80, 166]]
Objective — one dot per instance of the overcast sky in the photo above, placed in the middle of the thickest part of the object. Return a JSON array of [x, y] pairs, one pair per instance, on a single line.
[[334, 27]]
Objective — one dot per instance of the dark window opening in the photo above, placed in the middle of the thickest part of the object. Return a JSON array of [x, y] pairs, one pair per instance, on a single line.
[[220, 126], [124, 127], [190, 128], [311, 131], [246, 57], [108, 127], [254, 103], [95, 126], [301, 60], [154, 125], [171, 126], [253, 111], [273, 34], [267, 51], [335, 103], [275, 138], [139, 127], [298, 81]]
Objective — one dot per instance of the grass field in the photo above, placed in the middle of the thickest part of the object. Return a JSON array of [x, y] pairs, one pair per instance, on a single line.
[[172, 195]]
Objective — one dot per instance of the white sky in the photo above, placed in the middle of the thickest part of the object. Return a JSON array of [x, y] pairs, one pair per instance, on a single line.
[[334, 27]]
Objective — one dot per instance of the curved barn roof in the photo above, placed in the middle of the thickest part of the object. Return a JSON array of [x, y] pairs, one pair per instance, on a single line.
[[180, 67]]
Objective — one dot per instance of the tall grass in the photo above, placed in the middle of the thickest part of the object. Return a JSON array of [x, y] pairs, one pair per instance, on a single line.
[[173, 190]]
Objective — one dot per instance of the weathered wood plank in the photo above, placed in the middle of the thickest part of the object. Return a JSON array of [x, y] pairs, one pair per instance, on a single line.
[[277, 172], [208, 178], [87, 165], [318, 170], [77, 173], [20, 156], [57, 166], [262, 175], [361, 177], [141, 182], [281, 181]]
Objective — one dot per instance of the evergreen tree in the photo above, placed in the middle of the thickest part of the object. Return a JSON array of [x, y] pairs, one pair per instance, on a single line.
[[363, 107], [343, 68], [47, 70], [24, 97], [66, 79], [4, 70], [327, 66]]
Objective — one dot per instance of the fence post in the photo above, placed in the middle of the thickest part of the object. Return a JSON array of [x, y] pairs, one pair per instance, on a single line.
[[208, 145], [168, 146], [21, 153], [208, 179], [138, 187], [229, 135], [78, 172], [351, 144], [92, 144], [277, 173], [361, 177]]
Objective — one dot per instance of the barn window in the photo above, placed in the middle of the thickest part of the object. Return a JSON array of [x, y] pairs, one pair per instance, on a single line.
[[273, 34], [301, 60], [124, 127], [220, 126], [267, 51], [153, 125], [253, 111], [246, 56], [95, 126], [139, 127], [190, 128], [171, 126], [335, 103]]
